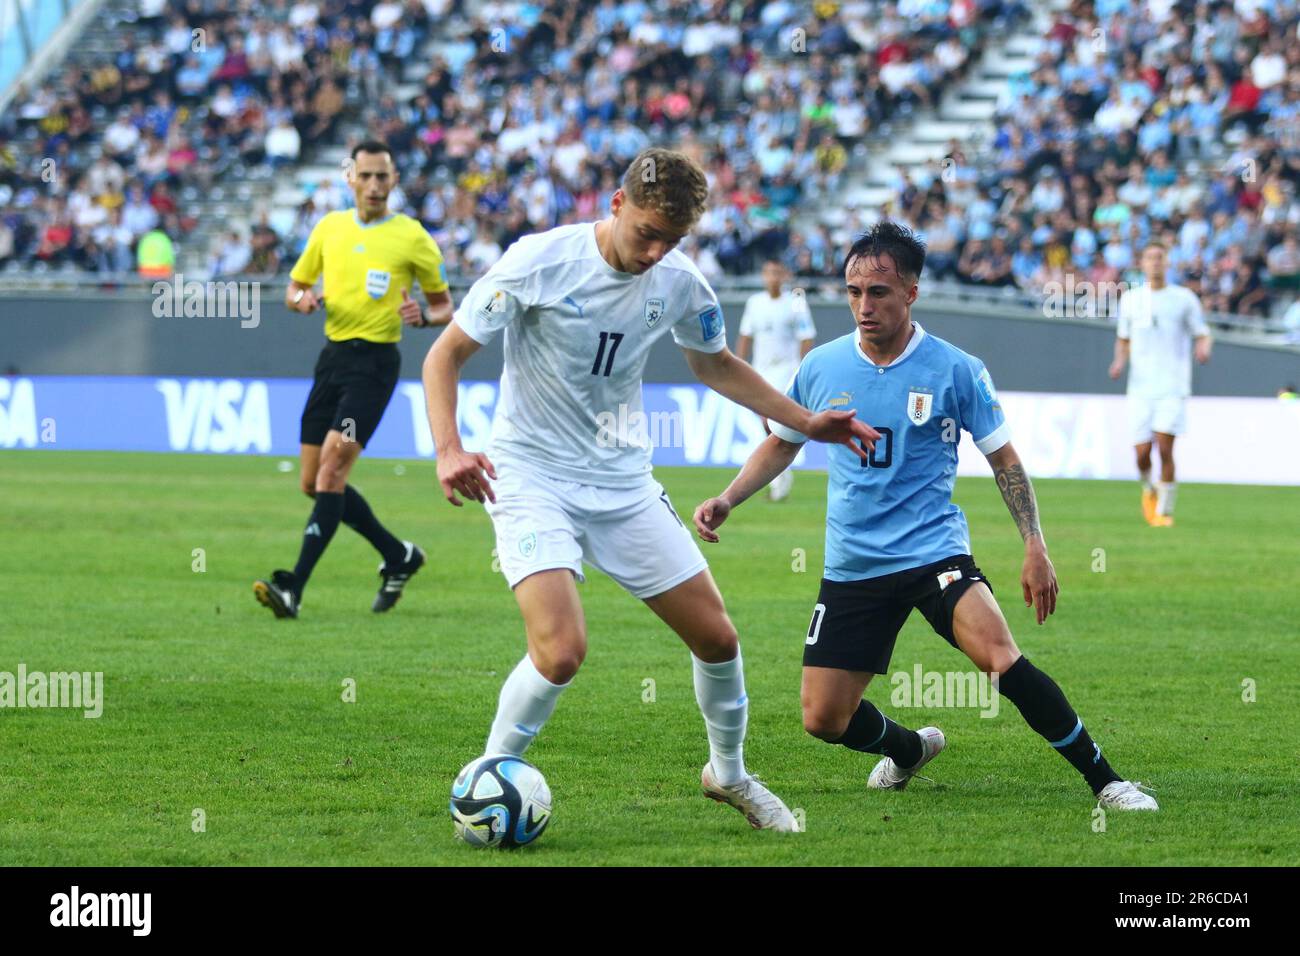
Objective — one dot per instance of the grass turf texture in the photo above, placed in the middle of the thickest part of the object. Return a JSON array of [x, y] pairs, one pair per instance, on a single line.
[[211, 703]]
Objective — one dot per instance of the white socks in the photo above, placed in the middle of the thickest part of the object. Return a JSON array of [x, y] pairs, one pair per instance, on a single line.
[[780, 487], [720, 692], [1145, 475], [528, 699], [1166, 492], [526, 702]]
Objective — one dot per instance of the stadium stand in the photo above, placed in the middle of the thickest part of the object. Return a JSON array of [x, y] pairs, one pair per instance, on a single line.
[[1024, 141]]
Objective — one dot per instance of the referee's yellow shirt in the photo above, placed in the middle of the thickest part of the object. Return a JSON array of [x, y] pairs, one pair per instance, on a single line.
[[366, 268]]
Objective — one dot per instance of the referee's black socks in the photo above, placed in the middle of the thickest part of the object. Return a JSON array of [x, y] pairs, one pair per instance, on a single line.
[[1047, 712], [322, 524], [358, 516], [870, 731]]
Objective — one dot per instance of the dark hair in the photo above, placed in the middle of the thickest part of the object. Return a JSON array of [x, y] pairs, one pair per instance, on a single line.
[[888, 238], [371, 146]]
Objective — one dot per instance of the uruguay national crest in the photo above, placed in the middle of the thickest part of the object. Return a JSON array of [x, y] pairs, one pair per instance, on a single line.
[[919, 405], [654, 311]]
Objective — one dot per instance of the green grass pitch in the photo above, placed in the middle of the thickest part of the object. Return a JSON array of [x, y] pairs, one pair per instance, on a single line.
[[212, 705]]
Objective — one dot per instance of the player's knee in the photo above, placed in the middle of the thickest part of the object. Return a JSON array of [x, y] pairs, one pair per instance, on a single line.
[[558, 651], [559, 664], [332, 476], [720, 642], [995, 657], [309, 487], [824, 723]]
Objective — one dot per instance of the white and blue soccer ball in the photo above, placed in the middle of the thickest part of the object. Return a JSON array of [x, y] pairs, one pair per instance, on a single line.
[[500, 801]]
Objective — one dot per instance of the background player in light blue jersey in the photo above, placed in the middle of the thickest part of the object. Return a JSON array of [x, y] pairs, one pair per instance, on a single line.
[[894, 539]]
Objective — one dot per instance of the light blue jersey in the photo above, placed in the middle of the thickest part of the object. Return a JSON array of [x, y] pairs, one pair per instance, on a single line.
[[896, 512]]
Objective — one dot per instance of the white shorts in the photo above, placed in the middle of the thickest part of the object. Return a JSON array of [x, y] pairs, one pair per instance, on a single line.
[[632, 534], [1149, 415]]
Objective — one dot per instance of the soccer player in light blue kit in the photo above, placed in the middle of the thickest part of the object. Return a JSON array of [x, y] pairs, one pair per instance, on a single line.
[[894, 539]]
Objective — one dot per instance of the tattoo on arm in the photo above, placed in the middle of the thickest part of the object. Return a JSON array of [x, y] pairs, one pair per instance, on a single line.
[[1018, 493]]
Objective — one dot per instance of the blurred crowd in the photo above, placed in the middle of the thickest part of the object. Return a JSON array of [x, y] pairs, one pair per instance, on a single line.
[[110, 148], [1156, 118], [525, 119], [1178, 122]]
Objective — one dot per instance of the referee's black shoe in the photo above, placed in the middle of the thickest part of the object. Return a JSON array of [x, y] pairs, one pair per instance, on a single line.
[[280, 593], [395, 578]]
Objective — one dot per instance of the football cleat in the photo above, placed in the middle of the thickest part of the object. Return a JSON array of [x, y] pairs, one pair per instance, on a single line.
[[280, 593], [762, 808], [1123, 795], [395, 580], [887, 775], [1149, 505], [1162, 521]]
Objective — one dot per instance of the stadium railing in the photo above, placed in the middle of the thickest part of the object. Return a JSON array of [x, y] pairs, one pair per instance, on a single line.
[[1009, 302]]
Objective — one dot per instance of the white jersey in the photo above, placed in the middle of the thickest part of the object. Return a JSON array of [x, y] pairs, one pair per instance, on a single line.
[[777, 326], [578, 333], [1160, 327]]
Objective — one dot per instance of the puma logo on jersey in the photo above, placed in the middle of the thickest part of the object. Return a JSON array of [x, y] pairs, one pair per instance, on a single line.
[[571, 301], [843, 399]]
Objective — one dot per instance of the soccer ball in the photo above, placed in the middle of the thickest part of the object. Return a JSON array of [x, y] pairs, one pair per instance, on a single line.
[[500, 801]]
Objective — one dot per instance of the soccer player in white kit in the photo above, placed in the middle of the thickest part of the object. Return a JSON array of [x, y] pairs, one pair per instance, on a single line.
[[779, 327], [581, 306], [1160, 326]]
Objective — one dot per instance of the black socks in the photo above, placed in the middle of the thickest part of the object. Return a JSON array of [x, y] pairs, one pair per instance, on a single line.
[[358, 516], [870, 731], [322, 524], [1048, 713]]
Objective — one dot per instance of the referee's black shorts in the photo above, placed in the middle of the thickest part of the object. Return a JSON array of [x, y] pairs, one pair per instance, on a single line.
[[855, 623], [354, 380]]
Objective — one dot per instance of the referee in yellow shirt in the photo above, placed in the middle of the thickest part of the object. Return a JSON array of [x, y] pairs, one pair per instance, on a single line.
[[368, 257]]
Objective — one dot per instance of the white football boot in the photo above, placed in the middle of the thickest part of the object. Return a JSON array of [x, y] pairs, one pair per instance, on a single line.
[[888, 775], [1125, 795], [762, 808]]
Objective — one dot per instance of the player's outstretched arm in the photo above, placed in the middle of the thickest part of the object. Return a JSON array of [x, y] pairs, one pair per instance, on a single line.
[[737, 380], [1037, 577], [769, 459], [458, 470]]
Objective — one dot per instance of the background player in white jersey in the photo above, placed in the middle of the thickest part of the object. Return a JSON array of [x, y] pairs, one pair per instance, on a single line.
[[778, 326], [1160, 325], [581, 306], [894, 539]]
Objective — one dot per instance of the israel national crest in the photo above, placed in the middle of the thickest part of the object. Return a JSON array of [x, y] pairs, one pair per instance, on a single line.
[[654, 311], [919, 405], [528, 544]]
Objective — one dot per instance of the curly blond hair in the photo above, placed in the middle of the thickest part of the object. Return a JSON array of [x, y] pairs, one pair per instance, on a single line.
[[670, 183]]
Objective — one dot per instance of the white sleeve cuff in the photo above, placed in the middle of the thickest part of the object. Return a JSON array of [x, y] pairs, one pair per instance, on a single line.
[[479, 336], [785, 433], [994, 440]]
